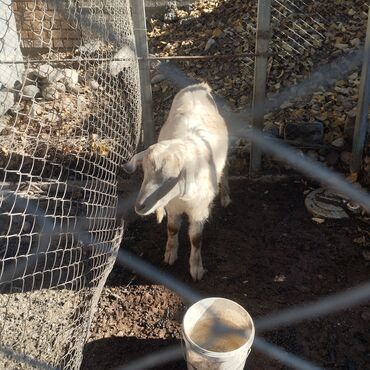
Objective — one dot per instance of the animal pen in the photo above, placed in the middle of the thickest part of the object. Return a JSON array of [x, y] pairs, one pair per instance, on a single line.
[[75, 87]]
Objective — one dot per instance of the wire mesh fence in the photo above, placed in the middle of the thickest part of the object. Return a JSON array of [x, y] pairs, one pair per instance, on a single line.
[[70, 115], [65, 132]]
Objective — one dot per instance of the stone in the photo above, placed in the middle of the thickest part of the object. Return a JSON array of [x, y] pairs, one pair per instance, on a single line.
[[92, 46], [158, 78], [70, 76], [35, 110], [93, 84], [43, 71], [338, 143], [6, 101], [10, 51], [365, 315], [127, 55], [56, 75], [50, 92], [305, 132], [53, 117], [313, 155], [4, 125], [346, 157], [271, 129], [29, 92], [332, 158], [349, 127]]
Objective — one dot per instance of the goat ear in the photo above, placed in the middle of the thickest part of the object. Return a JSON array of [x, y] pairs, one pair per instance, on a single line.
[[137, 159], [187, 184]]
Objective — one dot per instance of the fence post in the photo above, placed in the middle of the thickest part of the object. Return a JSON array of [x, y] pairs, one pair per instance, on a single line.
[[361, 126], [139, 21], [263, 36]]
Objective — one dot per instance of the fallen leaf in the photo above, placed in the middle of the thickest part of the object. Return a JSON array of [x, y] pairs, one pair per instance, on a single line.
[[279, 278], [318, 220], [352, 178], [217, 32], [360, 240]]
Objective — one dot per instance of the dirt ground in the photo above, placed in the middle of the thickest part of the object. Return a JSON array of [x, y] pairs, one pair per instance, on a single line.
[[265, 252]]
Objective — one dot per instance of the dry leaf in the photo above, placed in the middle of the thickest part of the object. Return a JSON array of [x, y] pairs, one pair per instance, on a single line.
[[360, 240], [318, 220], [352, 178], [217, 32]]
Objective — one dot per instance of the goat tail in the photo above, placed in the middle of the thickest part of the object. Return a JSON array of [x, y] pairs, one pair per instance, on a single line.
[[160, 213]]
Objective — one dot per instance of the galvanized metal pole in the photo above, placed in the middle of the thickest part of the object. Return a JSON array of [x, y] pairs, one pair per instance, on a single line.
[[263, 36], [361, 126], [139, 21]]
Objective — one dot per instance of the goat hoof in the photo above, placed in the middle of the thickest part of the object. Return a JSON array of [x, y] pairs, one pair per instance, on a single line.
[[197, 272], [225, 201], [170, 257]]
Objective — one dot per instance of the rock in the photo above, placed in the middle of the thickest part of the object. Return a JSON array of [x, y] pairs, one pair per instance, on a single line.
[[4, 125], [349, 127], [271, 129], [338, 143], [305, 132], [60, 87], [10, 51], [35, 110], [127, 54], [365, 315], [366, 254], [67, 104], [346, 157], [170, 14], [56, 75], [313, 155], [93, 84], [50, 92], [332, 158], [154, 63], [52, 117], [92, 46], [70, 76], [6, 101], [158, 78], [43, 71], [30, 92], [286, 105], [211, 42]]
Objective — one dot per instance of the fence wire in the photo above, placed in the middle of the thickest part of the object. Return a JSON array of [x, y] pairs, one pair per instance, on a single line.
[[59, 241], [65, 128]]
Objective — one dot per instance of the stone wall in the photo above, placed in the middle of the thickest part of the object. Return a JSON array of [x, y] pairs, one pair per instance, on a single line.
[[40, 26]]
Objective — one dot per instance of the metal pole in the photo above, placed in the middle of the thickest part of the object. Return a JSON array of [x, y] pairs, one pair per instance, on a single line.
[[361, 126], [263, 37], [139, 21]]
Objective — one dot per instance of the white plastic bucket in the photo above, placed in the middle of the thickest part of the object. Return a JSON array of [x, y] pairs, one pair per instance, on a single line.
[[204, 350]]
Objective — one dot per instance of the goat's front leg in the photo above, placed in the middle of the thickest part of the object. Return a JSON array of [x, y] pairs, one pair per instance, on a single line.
[[196, 266], [173, 227], [224, 188]]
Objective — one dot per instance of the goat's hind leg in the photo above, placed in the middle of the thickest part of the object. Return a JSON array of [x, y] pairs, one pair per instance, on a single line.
[[196, 266], [173, 227], [224, 188]]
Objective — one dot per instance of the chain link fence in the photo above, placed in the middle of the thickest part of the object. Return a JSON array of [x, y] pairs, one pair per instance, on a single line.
[[69, 116]]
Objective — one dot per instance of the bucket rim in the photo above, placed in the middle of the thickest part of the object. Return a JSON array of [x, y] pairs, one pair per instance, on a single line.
[[247, 345]]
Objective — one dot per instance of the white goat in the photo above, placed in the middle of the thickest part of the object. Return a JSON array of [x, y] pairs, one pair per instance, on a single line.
[[183, 170]]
